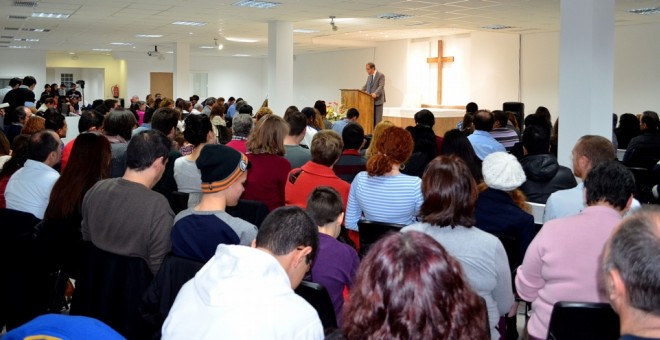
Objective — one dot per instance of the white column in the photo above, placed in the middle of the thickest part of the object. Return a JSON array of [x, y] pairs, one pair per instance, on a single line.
[[586, 72], [280, 66], [182, 85]]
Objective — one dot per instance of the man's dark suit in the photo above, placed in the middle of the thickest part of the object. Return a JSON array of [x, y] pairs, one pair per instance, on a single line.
[[377, 86]]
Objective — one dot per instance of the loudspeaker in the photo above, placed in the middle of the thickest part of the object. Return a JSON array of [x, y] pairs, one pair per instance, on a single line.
[[518, 110]]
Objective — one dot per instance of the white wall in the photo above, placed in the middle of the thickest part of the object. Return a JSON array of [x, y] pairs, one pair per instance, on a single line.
[[494, 69], [540, 72], [392, 58], [21, 63], [233, 76]]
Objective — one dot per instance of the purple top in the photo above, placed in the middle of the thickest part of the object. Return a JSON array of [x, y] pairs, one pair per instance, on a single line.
[[334, 268]]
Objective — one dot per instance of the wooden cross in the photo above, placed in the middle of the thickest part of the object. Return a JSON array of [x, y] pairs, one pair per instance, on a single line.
[[439, 60]]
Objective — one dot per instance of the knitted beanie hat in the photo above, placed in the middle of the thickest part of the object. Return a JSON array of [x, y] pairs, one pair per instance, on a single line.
[[502, 171], [220, 167]]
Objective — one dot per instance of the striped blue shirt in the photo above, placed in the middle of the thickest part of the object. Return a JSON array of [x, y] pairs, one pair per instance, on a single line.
[[393, 199]]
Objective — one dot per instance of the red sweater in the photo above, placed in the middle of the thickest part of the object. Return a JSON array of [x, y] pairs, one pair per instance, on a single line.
[[266, 178], [313, 175]]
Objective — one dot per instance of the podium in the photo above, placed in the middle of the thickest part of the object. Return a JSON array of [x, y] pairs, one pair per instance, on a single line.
[[364, 103]]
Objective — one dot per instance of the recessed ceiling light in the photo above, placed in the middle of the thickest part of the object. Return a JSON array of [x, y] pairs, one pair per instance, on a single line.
[[496, 27], [121, 44], [19, 46], [304, 30], [393, 16], [50, 15], [149, 35], [207, 47], [256, 4], [645, 11], [26, 39], [241, 55], [243, 40], [101, 49], [189, 23], [36, 30], [72, 53]]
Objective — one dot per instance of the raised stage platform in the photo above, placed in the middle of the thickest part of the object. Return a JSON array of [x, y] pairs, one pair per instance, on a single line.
[[445, 119]]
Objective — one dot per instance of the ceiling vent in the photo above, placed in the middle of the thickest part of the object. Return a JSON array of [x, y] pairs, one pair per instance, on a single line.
[[17, 17], [27, 4], [393, 16], [645, 11], [496, 27]]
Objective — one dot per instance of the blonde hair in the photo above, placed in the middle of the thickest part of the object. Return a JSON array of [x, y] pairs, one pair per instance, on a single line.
[[378, 131], [263, 111]]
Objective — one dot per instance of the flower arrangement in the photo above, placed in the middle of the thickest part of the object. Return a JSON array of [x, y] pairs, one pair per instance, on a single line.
[[335, 111]]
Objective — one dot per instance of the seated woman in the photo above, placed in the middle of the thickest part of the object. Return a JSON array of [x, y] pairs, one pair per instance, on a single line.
[[383, 193], [267, 177], [409, 287], [447, 214], [456, 143], [336, 263], [501, 206], [198, 132]]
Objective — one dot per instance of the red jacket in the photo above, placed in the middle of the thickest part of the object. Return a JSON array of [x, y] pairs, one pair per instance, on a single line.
[[313, 175]]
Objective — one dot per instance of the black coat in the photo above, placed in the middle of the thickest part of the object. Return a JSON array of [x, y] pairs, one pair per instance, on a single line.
[[544, 176]]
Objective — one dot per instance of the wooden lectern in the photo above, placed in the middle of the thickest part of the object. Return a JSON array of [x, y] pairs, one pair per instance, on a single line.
[[364, 103]]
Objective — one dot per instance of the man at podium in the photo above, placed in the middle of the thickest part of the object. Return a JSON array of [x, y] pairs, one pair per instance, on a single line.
[[375, 86]]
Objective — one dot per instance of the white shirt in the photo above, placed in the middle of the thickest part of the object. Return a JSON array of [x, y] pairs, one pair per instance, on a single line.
[[309, 135], [569, 202], [241, 293], [29, 188]]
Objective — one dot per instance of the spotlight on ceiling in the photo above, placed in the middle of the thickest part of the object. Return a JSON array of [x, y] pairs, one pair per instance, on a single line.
[[332, 23], [218, 45]]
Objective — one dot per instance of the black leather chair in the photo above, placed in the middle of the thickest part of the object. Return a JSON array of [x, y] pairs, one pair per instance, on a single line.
[[583, 320], [110, 289], [372, 231], [317, 296]]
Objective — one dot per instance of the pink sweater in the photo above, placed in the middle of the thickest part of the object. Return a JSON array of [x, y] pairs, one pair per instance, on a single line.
[[563, 263]]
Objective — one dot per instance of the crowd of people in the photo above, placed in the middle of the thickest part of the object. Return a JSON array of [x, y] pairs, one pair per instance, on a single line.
[[115, 190]]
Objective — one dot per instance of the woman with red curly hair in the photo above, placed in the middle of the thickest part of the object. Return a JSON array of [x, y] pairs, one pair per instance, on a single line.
[[409, 287], [383, 193]]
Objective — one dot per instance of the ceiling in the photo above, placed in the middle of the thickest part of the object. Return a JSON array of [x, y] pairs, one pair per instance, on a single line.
[[94, 25]]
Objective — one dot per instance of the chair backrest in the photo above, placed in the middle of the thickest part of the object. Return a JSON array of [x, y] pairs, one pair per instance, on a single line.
[[372, 231], [583, 320], [537, 212], [317, 296], [252, 211], [180, 201], [110, 289]]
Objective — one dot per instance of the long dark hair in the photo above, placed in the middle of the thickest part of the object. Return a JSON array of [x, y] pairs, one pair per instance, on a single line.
[[89, 162], [456, 143], [409, 287], [19, 155]]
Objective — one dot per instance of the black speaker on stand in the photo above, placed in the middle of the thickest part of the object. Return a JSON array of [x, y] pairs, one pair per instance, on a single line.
[[518, 110]]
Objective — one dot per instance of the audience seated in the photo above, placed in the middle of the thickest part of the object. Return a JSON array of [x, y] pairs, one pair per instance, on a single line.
[[632, 275], [5, 149], [326, 149], [375, 136], [352, 116], [644, 150], [322, 109], [267, 178], [336, 263], [456, 143], [18, 158], [198, 132], [89, 121], [447, 215], [502, 131], [28, 188], [34, 124], [123, 215], [425, 117], [14, 123], [409, 287], [383, 193], [311, 129], [165, 120], [117, 128], [424, 151], [627, 130], [197, 231], [543, 172], [501, 207], [241, 128], [482, 142], [245, 292], [56, 326], [563, 261], [296, 154], [588, 152], [351, 162]]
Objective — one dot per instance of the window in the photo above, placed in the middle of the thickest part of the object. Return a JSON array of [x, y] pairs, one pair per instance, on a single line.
[[66, 78]]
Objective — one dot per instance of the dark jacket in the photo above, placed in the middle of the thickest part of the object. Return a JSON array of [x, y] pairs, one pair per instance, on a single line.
[[544, 176], [643, 151]]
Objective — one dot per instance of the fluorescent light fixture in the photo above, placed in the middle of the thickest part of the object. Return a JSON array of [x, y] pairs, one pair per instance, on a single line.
[[149, 35], [121, 44], [496, 27], [50, 15], [26, 39], [189, 23], [207, 47], [256, 4], [645, 11], [40, 30], [17, 46], [393, 16], [241, 55], [304, 30], [243, 40], [101, 49]]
